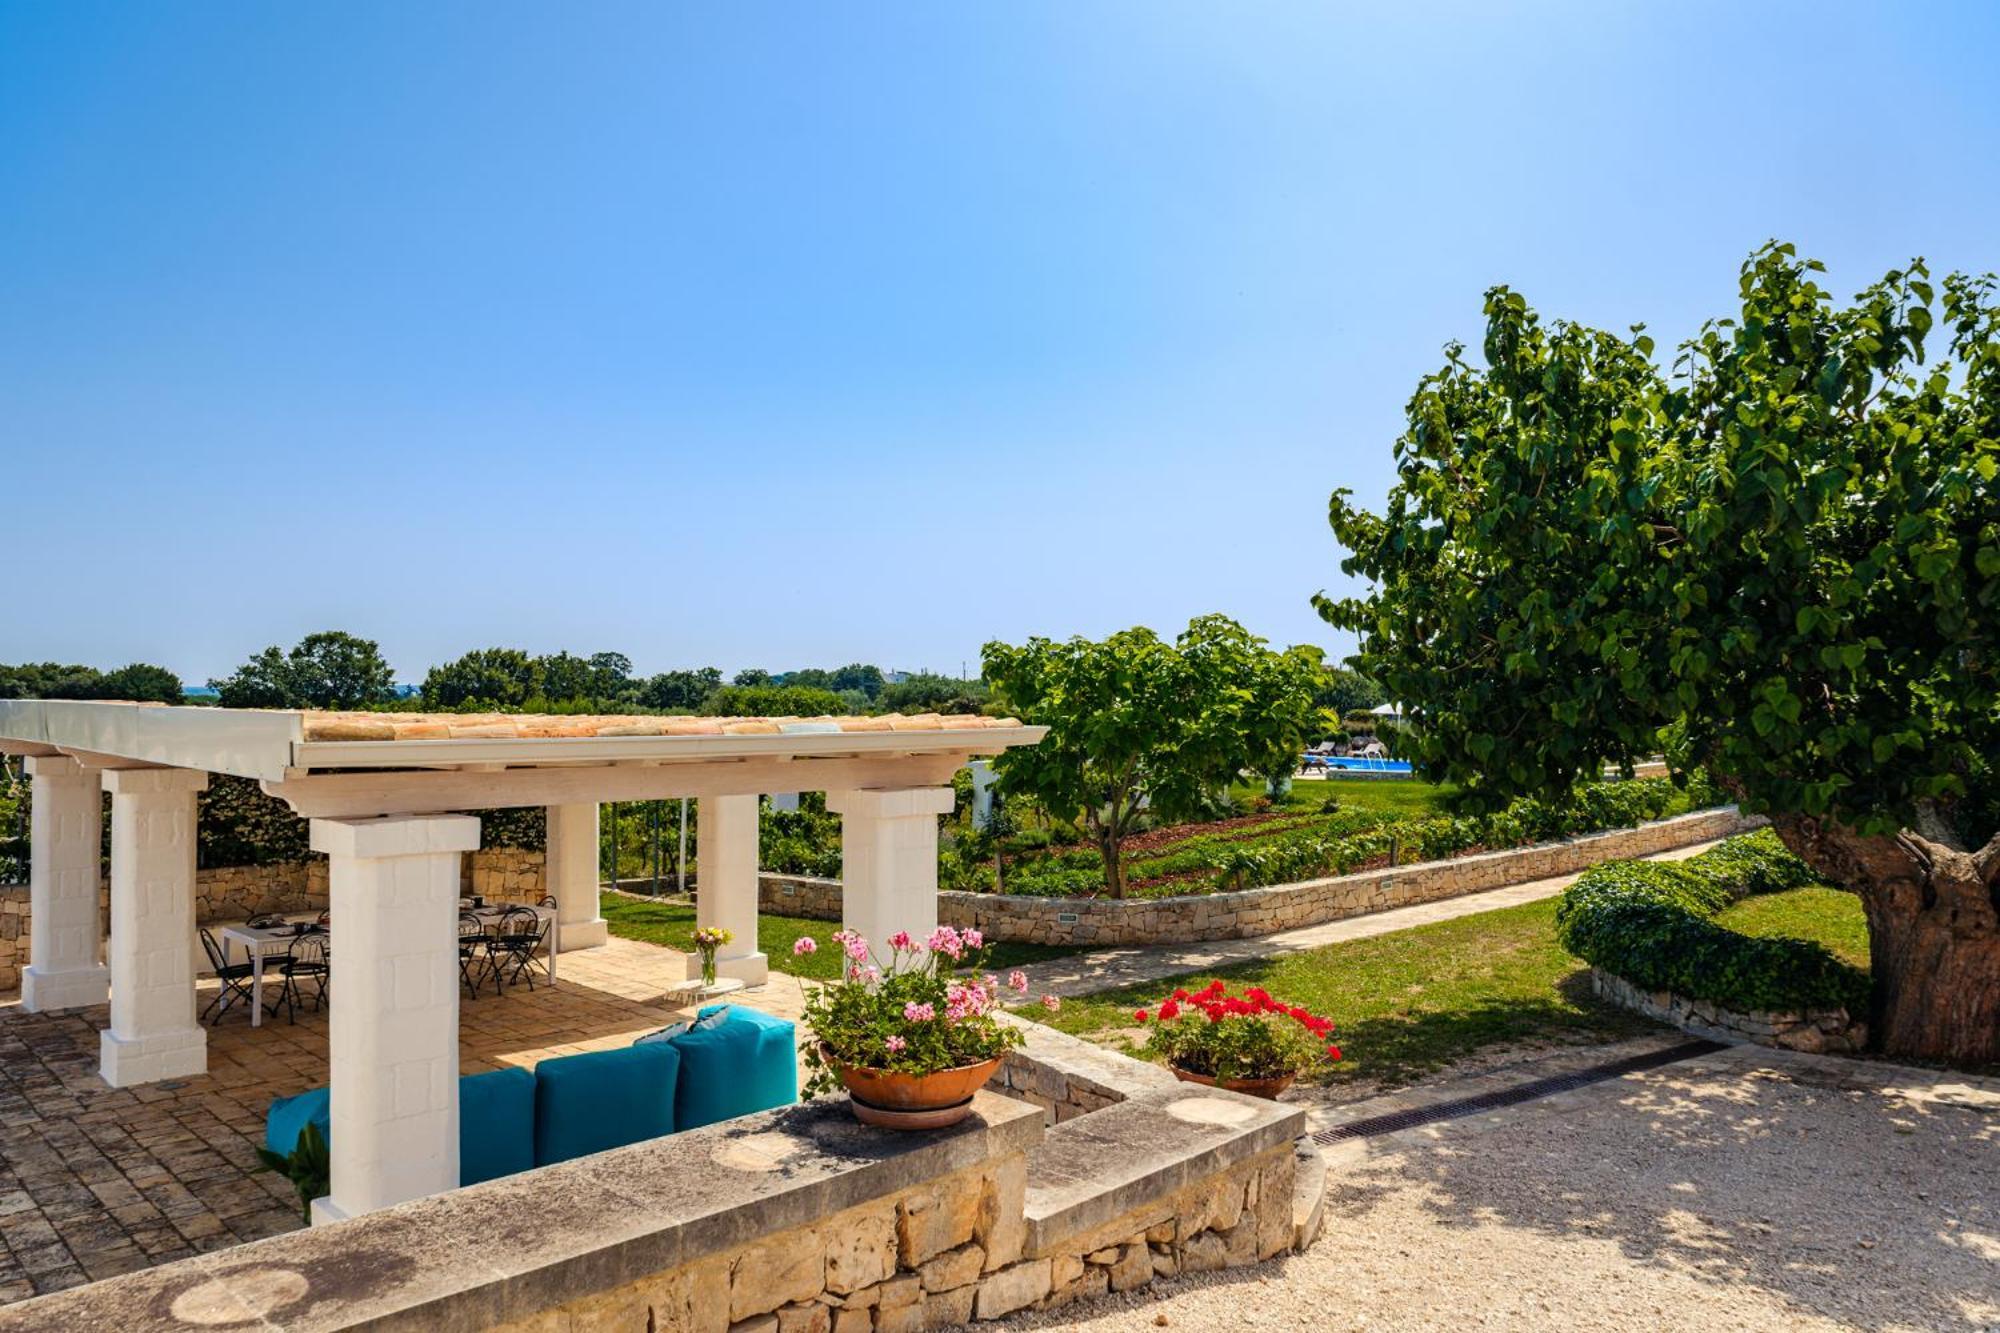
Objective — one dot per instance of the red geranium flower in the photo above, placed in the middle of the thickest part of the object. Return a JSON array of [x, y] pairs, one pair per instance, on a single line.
[[1139, 1016]]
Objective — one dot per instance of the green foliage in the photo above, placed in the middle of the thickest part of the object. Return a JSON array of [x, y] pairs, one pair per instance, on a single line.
[[925, 692], [239, 825], [1347, 692], [510, 680], [773, 701], [751, 676], [1651, 922], [309, 1166], [1785, 561], [683, 691], [331, 669], [140, 682], [805, 841], [1135, 719]]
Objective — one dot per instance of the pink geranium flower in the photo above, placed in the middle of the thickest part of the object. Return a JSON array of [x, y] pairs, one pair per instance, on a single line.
[[1052, 1002], [919, 1013], [895, 1044], [803, 945], [1017, 981], [901, 941]]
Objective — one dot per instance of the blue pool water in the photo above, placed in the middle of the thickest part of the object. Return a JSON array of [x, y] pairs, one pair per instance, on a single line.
[[1344, 764]]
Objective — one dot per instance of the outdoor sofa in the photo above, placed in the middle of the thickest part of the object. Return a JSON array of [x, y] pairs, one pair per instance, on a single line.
[[731, 1061]]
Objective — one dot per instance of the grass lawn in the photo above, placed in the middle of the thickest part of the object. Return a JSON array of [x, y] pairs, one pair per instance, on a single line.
[[1413, 1001], [669, 923], [1401, 796], [1826, 916]]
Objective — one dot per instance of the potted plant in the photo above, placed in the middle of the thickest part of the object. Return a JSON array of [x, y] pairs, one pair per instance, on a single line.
[[707, 940], [1247, 1043], [912, 1036]]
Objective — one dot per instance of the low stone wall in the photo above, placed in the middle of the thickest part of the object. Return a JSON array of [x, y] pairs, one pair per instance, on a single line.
[[1105, 922], [794, 1219], [506, 875], [1817, 1031]]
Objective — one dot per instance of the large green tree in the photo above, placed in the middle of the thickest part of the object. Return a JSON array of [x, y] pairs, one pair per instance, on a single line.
[[1135, 720], [330, 669], [139, 681], [1780, 561]]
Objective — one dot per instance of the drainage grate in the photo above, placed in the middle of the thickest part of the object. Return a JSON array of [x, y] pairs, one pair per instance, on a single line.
[[1514, 1096]]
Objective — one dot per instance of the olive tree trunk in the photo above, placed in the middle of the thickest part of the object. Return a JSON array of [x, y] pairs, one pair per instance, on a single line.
[[1933, 935]]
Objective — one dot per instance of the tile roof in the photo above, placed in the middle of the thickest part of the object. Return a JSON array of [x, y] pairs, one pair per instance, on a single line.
[[534, 726]]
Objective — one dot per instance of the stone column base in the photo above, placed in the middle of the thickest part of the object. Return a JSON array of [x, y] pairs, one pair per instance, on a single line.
[[72, 989], [752, 969], [583, 934], [125, 1061], [325, 1210]]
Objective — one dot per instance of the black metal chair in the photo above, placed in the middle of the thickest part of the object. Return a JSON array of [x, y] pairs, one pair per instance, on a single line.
[[235, 978], [307, 960], [475, 960], [522, 932]]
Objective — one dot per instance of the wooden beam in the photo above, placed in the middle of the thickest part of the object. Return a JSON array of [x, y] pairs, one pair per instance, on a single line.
[[358, 795], [31, 749]]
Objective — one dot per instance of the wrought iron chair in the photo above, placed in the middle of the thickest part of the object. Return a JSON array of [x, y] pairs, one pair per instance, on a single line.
[[306, 960], [522, 933], [235, 978], [475, 960]]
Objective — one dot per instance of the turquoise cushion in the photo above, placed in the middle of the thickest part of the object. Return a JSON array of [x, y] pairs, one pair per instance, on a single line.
[[496, 1124], [289, 1116], [603, 1099], [746, 1063]]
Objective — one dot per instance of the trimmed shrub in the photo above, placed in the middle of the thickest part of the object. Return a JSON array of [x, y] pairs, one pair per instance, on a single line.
[[1651, 922]]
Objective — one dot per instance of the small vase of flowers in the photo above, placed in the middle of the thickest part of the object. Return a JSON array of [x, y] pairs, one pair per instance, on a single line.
[[1248, 1043], [707, 941], [913, 1035]]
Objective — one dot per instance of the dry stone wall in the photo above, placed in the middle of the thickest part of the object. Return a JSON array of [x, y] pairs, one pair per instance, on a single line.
[[1818, 1031], [1106, 922]]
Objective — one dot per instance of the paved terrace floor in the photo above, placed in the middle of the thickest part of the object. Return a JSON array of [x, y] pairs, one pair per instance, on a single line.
[[96, 1181]]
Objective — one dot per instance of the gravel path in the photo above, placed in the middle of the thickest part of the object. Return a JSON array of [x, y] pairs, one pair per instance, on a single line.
[[1751, 1189]]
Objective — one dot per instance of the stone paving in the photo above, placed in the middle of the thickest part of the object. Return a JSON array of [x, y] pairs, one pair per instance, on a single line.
[[96, 1181], [1108, 969]]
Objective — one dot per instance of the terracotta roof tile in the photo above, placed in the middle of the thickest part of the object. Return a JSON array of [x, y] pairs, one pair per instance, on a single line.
[[534, 726]]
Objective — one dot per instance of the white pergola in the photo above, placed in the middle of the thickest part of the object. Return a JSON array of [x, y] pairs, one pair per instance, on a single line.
[[385, 794]]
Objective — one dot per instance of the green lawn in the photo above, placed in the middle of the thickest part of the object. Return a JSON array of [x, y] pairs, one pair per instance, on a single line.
[[1826, 916], [1401, 796], [670, 923], [1413, 1001]]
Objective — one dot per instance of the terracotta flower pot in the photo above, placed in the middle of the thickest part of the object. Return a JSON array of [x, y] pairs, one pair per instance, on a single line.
[[911, 1101], [1267, 1088]]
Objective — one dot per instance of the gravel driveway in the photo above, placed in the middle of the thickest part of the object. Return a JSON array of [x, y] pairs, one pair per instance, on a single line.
[[1750, 1189]]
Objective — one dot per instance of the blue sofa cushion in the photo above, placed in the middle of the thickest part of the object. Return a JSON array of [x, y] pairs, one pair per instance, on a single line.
[[496, 1124], [289, 1116], [603, 1099], [746, 1063]]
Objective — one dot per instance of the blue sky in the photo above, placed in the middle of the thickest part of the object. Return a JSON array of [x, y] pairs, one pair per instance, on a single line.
[[760, 335]]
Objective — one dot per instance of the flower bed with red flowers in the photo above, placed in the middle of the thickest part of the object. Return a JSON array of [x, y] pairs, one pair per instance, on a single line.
[[1232, 1038]]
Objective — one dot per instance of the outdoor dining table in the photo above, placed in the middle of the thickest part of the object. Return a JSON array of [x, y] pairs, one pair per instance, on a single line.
[[259, 942]]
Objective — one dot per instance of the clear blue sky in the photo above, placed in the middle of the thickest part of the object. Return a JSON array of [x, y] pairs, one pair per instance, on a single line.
[[767, 335]]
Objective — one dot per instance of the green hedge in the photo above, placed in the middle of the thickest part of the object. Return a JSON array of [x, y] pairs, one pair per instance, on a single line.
[[1650, 922]]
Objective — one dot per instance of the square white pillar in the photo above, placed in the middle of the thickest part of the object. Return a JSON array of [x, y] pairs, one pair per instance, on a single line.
[[571, 865], [726, 885], [888, 860], [65, 924], [392, 1045], [154, 1033]]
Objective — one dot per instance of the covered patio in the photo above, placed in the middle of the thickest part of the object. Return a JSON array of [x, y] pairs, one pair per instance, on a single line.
[[385, 794]]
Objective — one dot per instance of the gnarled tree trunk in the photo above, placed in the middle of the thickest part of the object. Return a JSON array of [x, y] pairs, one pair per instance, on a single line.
[[1933, 934]]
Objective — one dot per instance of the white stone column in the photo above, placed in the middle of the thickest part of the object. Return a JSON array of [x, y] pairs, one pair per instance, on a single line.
[[154, 1033], [572, 876], [392, 1040], [726, 885], [65, 923], [888, 860]]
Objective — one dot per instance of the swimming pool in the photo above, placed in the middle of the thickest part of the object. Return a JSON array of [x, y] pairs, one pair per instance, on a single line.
[[1347, 764]]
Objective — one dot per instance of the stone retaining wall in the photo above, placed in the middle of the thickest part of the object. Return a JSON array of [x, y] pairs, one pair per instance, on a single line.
[[1103, 922], [1817, 1031]]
